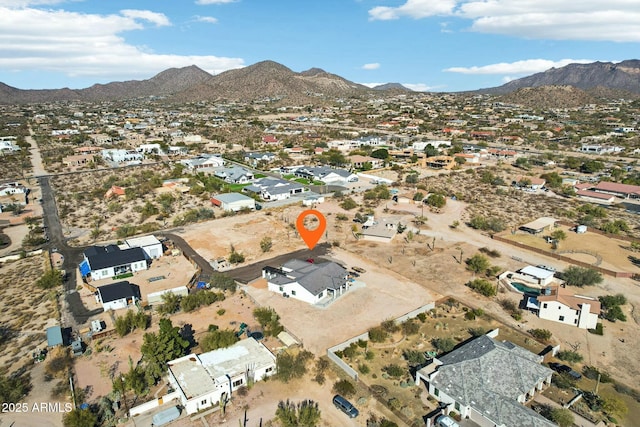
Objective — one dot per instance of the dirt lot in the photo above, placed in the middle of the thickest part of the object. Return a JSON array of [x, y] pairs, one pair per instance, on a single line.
[[604, 251]]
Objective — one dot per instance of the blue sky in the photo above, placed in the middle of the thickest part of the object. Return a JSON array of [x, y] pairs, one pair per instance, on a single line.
[[434, 45]]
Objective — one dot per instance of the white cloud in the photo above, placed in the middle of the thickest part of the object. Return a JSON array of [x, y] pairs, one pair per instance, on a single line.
[[414, 9], [371, 66], [419, 87], [528, 66], [81, 44], [25, 3], [207, 19], [160, 19], [611, 20], [205, 2]]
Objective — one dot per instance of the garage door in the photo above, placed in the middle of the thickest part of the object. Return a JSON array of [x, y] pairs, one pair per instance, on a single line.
[[154, 253]]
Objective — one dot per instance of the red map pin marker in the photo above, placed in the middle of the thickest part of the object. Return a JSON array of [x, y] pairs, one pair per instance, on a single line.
[[311, 237]]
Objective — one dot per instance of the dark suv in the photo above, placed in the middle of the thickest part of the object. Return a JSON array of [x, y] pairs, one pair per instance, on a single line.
[[565, 369], [345, 406]]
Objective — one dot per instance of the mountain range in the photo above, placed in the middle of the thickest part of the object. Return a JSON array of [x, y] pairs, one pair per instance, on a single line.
[[271, 80]]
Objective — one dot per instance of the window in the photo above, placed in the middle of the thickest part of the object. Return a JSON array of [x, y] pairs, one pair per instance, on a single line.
[[457, 406], [269, 369], [544, 305], [238, 383], [575, 321], [281, 288], [293, 292], [436, 392], [561, 318], [204, 402]]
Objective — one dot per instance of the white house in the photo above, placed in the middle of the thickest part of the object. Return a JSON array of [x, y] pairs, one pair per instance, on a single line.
[[537, 275], [118, 295], [306, 281], [575, 310], [270, 189], [101, 262], [120, 156], [205, 163], [326, 175], [233, 202], [8, 145], [204, 380], [151, 246], [488, 381], [10, 188]]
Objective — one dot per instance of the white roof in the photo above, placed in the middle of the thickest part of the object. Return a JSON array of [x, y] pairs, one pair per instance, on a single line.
[[234, 360], [140, 242], [538, 273], [192, 377]]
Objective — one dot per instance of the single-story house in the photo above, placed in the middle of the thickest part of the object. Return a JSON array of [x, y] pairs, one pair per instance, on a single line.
[[234, 174], [625, 191], [539, 225], [120, 155], [596, 197], [11, 188], [205, 163], [119, 295], [101, 262], [306, 281], [540, 276], [576, 310], [488, 381], [534, 183], [233, 202], [151, 246], [326, 175], [78, 160], [270, 189], [382, 231], [204, 380], [114, 191], [255, 157], [359, 162]]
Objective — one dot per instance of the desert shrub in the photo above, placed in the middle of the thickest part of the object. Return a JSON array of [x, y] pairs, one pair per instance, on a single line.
[[476, 332], [394, 370], [422, 317], [304, 414], [414, 357], [269, 320], [377, 334], [579, 276], [344, 388], [483, 287], [410, 327], [348, 204], [599, 330], [199, 299], [390, 326], [219, 338], [543, 335], [570, 356], [364, 368], [443, 345], [223, 282], [289, 366], [493, 253], [592, 373]]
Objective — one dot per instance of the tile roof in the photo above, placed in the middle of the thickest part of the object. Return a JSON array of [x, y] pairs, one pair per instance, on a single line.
[[617, 188], [564, 296]]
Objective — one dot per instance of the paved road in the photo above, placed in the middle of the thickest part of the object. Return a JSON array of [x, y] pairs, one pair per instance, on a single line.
[[190, 253], [72, 303]]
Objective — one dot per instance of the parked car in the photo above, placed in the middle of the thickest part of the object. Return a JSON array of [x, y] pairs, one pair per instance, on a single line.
[[359, 270], [345, 406], [565, 369]]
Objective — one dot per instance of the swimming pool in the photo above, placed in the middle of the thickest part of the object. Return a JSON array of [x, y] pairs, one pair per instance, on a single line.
[[526, 289]]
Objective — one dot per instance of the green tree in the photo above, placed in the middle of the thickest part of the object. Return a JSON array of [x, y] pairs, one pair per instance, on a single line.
[[348, 204], [483, 287], [570, 356], [380, 153], [50, 279], [14, 387], [344, 388], [436, 200], [614, 406], [443, 345], [290, 366], [266, 244], [412, 178], [159, 348], [579, 276], [562, 417], [80, 418], [543, 335], [303, 414], [477, 263], [220, 338], [558, 235], [236, 257], [170, 303]]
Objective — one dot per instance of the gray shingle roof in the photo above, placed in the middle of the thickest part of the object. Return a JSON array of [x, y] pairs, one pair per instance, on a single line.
[[315, 278], [489, 375]]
